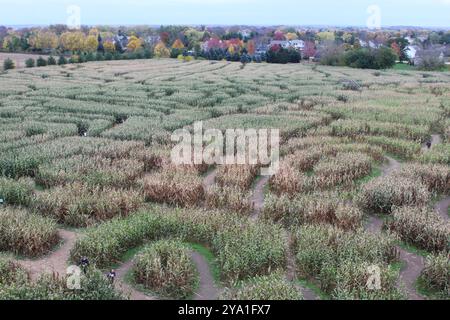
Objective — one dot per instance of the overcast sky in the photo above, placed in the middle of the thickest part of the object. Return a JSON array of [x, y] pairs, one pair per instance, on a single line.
[[432, 13]]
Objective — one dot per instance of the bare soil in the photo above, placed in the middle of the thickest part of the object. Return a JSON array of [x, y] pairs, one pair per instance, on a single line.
[[207, 288], [258, 196]]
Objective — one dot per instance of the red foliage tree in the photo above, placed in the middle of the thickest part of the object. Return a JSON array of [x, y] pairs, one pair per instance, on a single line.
[[396, 48], [275, 48], [279, 36], [310, 49], [165, 36], [251, 49]]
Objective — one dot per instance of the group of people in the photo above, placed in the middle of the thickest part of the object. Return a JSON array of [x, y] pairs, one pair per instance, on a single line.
[[84, 264]]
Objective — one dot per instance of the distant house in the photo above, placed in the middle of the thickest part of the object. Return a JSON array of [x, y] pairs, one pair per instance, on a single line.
[[246, 33], [435, 51], [281, 43], [411, 52], [295, 44]]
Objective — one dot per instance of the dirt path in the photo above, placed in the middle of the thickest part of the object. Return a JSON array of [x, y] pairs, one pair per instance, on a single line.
[[442, 208], [291, 275], [375, 225], [210, 179], [411, 272], [56, 261], [258, 197], [127, 289], [391, 166], [414, 263], [207, 288]]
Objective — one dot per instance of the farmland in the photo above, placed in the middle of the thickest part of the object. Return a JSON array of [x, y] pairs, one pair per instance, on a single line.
[[86, 172]]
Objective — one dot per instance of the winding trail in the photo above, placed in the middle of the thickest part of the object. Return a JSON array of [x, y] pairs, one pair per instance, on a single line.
[[207, 288], [442, 208], [443, 205], [291, 275], [210, 179], [375, 225], [257, 199], [391, 166], [414, 263], [56, 261], [410, 274]]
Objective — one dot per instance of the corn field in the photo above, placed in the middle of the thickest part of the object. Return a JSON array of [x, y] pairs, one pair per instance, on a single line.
[[89, 146]]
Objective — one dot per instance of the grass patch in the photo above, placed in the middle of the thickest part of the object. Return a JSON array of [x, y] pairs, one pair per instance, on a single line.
[[404, 67], [375, 173], [413, 249], [127, 256], [315, 288]]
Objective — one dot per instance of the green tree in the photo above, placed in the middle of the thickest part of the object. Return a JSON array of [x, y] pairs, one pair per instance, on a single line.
[[8, 64], [62, 60], [30, 63], [51, 61], [41, 62]]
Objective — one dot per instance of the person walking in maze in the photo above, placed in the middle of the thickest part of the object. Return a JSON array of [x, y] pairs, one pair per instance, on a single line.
[[84, 263], [112, 275]]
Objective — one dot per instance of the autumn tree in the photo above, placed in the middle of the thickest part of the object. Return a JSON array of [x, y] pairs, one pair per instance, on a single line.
[[310, 49], [109, 46], [402, 45], [178, 44], [396, 48], [251, 48], [44, 40], [279, 36], [291, 36], [161, 50], [164, 36], [11, 43], [91, 43], [326, 36], [134, 43], [73, 41], [94, 32]]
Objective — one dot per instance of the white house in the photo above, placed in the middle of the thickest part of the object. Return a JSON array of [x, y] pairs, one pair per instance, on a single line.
[[411, 52], [296, 44], [246, 33]]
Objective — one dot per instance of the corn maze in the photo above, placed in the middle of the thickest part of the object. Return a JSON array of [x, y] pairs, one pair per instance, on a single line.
[[362, 189]]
